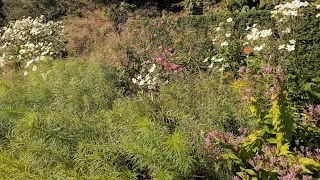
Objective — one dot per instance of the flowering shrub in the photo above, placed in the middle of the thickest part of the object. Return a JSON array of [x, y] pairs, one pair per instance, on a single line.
[[28, 41], [275, 150]]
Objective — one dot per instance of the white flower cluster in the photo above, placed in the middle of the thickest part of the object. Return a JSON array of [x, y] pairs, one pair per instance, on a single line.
[[289, 47], [219, 62], [255, 34], [28, 41], [149, 80], [289, 9]]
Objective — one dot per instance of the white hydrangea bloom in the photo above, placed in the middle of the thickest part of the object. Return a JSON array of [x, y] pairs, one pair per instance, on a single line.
[[289, 8], [265, 33]]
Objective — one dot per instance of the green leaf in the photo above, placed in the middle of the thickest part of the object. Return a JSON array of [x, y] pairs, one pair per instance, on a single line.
[[235, 158], [251, 172], [309, 162], [284, 149]]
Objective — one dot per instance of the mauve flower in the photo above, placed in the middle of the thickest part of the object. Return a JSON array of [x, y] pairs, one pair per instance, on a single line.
[[257, 76], [241, 70], [207, 141], [164, 63], [280, 74], [306, 177], [317, 109], [174, 66], [267, 68], [235, 178]]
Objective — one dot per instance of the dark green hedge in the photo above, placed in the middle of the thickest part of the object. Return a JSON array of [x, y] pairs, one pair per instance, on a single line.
[[305, 69]]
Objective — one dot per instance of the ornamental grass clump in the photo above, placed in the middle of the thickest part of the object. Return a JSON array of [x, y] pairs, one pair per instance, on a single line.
[[28, 41]]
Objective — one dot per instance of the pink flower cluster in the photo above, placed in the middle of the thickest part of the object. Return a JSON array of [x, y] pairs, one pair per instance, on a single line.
[[306, 152], [167, 67], [286, 168], [215, 137]]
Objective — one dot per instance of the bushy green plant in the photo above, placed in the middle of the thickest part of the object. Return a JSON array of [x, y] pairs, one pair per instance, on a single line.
[[28, 41]]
